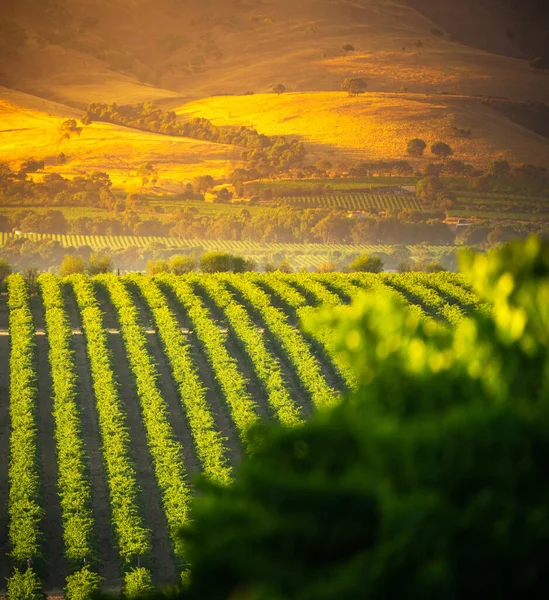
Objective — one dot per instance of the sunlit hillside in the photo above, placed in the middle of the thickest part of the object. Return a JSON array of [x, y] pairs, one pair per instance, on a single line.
[[378, 126], [30, 128]]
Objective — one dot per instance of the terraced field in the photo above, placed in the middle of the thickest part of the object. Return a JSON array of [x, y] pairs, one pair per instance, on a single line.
[[117, 391]]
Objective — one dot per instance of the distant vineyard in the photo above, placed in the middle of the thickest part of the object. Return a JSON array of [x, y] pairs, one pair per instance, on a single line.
[[299, 255], [356, 201], [122, 389]]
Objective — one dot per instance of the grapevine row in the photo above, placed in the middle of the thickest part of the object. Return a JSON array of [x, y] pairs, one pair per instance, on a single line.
[[224, 366], [165, 451], [24, 508], [266, 366], [450, 289], [132, 537], [209, 444], [376, 283], [428, 297], [74, 486], [290, 296], [291, 341]]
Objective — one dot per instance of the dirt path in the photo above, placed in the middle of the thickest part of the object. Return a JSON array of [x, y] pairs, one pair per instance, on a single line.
[[4, 438], [52, 529], [163, 567], [214, 396], [168, 388], [109, 567]]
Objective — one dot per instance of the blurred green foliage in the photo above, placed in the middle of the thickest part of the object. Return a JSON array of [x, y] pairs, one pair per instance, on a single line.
[[429, 482]]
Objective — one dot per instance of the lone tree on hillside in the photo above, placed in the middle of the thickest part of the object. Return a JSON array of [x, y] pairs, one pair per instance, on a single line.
[[441, 149], [69, 128], [279, 88], [72, 264], [416, 147], [354, 86]]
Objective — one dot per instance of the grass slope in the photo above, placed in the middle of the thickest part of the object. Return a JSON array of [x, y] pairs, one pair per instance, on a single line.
[[77, 52], [30, 128], [377, 126]]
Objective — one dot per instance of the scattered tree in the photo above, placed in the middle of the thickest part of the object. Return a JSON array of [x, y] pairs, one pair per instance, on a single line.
[[279, 88], [68, 129], [71, 265], [224, 262], [441, 149], [500, 169], [155, 267], [99, 263], [223, 196], [416, 147], [348, 48], [204, 183], [181, 264], [354, 86], [147, 173], [367, 263], [428, 188]]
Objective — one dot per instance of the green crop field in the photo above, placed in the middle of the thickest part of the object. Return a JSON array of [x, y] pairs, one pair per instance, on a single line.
[[336, 183], [356, 201], [116, 391]]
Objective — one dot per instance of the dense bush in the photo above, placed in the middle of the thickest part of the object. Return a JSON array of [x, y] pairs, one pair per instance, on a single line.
[[223, 262], [367, 263], [428, 482]]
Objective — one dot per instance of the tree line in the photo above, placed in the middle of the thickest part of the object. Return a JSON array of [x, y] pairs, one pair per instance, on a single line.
[[264, 155]]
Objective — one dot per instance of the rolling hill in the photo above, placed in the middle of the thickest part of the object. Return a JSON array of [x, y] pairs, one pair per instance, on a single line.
[[78, 52], [30, 128], [206, 58], [377, 126]]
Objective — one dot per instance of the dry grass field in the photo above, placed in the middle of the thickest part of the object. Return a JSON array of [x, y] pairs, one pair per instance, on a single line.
[[30, 128], [377, 126]]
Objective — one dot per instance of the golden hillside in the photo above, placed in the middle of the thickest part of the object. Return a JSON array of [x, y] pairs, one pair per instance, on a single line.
[[377, 126], [30, 128]]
